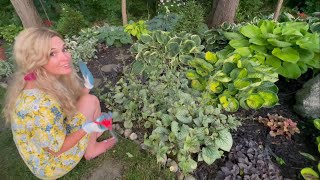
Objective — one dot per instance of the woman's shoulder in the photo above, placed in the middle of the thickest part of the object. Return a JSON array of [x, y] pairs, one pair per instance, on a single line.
[[35, 95]]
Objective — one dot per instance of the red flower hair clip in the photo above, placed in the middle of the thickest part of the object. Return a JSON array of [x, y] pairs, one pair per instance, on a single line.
[[30, 76]]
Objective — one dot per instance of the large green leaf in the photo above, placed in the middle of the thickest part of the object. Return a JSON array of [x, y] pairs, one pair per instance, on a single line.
[[191, 144], [210, 154], [316, 123], [305, 55], [188, 165], [196, 39], [242, 83], [273, 61], [214, 87], [254, 101], [310, 42], [309, 174], [183, 116], [172, 49], [145, 38], [315, 61], [185, 58], [258, 41], [137, 67], [232, 35], [211, 57], [192, 74], [259, 49], [224, 140], [237, 43], [187, 46], [250, 31], [243, 51], [289, 70], [229, 103], [269, 97], [287, 54], [267, 27], [162, 37], [278, 43]]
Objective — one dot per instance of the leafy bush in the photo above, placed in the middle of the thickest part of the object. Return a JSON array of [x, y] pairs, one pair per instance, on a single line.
[[178, 125], [83, 47], [163, 47], [248, 9], [9, 32], [113, 35], [279, 125], [136, 29], [191, 18], [71, 21], [287, 47], [311, 6], [163, 22], [232, 80]]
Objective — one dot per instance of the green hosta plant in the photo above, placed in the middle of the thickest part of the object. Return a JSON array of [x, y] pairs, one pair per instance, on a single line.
[[163, 22], [233, 80], [178, 124], [288, 47], [161, 47], [113, 35], [136, 29]]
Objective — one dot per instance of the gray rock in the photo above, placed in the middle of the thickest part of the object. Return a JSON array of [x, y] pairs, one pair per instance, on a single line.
[[308, 99], [109, 67]]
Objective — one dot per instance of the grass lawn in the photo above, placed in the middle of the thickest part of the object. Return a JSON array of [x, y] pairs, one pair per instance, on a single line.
[[137, 164]]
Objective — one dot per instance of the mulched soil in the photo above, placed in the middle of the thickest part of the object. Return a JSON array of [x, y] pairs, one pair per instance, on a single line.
[[287, 149]]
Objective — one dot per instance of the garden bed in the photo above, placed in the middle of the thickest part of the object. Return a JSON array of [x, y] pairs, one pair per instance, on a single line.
[[286, 149]]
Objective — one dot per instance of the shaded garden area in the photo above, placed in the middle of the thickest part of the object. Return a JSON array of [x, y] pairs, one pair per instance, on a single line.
[[221, 102]]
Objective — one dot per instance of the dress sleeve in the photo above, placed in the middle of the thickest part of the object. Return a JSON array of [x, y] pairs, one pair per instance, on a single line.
[[49, 129]]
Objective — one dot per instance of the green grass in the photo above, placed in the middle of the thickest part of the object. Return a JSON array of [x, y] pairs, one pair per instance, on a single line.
[[141, 165]]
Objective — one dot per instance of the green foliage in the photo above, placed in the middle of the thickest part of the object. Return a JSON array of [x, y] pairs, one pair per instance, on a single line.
[[163, 22], [191, 18], [178, 124], [279, 125], [113, 35], [71, 21], [288, 47], [233, 80], [9, 32], [248, 9], [163, 47], [311, 6], [136, 29], [83, 47], [308, 173]]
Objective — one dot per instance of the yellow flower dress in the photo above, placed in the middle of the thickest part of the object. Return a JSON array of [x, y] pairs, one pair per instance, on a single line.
[[39, 122]]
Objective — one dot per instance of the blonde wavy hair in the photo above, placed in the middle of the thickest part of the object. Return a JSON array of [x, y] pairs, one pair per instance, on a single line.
[[31, 52]]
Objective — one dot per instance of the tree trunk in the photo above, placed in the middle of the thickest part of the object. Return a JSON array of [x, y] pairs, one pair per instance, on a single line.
[[277, 11], [27, 13], [124, 12], [223, 11]]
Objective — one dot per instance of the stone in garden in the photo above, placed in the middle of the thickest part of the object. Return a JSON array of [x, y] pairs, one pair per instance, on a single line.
[[109, 67], [127, 133], [308, 99], [97, 82], [133, 136]]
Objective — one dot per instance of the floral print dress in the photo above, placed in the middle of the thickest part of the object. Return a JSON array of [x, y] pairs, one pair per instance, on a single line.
[[39, 122]]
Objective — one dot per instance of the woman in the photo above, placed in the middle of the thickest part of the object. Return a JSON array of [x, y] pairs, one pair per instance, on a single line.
[[50, 112]]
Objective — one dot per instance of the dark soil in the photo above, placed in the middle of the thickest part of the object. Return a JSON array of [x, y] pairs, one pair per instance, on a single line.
[[251, 129]]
